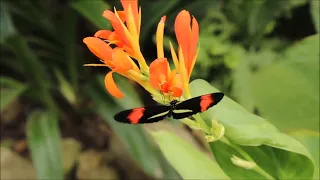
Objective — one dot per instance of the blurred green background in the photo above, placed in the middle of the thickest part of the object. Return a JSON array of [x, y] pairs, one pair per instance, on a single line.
[[263, 54]]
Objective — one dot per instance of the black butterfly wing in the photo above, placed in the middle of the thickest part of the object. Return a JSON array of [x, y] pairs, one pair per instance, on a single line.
[[142, 115], [195, 105]]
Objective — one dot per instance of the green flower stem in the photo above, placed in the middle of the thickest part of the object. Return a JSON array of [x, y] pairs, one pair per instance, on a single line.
[[247, 157], [223, 139], [189, 122], [203, 124]]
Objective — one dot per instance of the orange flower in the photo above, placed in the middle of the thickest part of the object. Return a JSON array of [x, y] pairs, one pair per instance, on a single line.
[[116, 59], [125, 36], [161, 78], [126, 25], [187, 38]]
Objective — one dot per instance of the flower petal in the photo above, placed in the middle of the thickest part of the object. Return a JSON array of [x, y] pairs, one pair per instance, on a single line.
[[116, 24], [176, 85], [134, 11], [120, 60], [176, 91], [122, 15], [132, 25], [159, 37], [187, 37], [158, 72], [193, 44], [182, 30], [99, 48], [104, 34], [111, 86], [174, 56]]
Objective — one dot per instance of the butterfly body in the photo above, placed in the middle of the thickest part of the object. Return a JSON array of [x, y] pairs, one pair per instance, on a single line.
[[176, 109]]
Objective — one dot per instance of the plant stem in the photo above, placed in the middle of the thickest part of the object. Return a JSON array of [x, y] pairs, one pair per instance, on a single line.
[[247, 157], [203, 124]]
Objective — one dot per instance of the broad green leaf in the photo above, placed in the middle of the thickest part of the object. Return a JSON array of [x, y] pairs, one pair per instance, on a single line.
[[10, 90], [315, 13], [241, 87], [287, 92], [44, 142], [134, 137], [190, 162], [311, 140], [6, 26], [92, 10], [280, 155]]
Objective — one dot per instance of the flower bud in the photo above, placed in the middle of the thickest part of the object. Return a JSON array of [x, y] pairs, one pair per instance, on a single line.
[[217, 131]]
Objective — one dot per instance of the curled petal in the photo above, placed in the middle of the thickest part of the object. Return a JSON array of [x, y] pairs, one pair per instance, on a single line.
[[122, 15], [193, 44], [99, 48], [174, 56], [111, 86], [104, 34], [176, 85], [116, 24], [182, 30], [187, 36], [164, 87], [159, 37], [121, 61], [133, 4], [158, 72], [177, 92]]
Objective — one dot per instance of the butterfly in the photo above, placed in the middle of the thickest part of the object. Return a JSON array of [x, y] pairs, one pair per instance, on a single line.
[[176, 109]]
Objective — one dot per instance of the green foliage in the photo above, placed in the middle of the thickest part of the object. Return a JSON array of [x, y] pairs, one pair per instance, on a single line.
[[311, 140], [7, 28], [188, 161], [10, 91], [93, 10], [315, 12], [242, 52], [134, 138], [288, 91], [256, 138], [44, 142]]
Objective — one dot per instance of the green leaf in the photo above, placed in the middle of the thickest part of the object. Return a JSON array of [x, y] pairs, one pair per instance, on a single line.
[[92, 10], [311, 140], [65, 87], [241, 88], [69, 40], [32, 65], [186, 159], [256, 18], [315, 13], [152, 15], [7, 28], [44, 142], [278, 154], [10, 90], [287, 92], [134, 137]]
